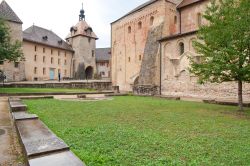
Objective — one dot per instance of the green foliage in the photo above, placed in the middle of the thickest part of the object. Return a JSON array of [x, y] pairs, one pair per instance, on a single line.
[[149, 131], [224, 43], [9, 50]]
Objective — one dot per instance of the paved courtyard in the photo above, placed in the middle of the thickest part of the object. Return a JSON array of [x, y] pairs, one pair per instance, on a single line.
[[10, 151]]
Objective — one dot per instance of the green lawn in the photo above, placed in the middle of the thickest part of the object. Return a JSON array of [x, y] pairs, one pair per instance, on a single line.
[[148, 131], [40, 90]]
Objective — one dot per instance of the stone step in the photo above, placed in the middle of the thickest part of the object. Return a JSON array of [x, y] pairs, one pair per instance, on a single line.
[[23, 116], [66, 158], [17, 106], [38, 139]]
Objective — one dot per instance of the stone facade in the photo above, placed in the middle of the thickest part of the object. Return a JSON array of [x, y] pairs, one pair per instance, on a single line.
[[164, 63], [103, 56], [83, 41], [14, 71], [41, 60], [176, 50], [130, 35]]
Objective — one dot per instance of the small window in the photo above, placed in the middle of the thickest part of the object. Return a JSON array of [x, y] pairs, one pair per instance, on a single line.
[[16, 64], [51, 52], [44, 59], [44, 71], [44, 50], [65, 62], [152, 20], [35, 48], [129, 59], [139, 57], [59, 61], [35, 58], [89, 39], [139, 25], [199, 19], [181, 48], [59, 53], [175, 19], [129, 29], [93, 53], [35, 70], [52, 60], [65, 54]]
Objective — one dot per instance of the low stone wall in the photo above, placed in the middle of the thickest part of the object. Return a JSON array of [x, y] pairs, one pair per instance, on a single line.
[[148, 90], [187, 88], [68, 85]]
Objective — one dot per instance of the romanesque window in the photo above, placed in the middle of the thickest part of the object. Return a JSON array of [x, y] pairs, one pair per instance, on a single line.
[[35, 70], [199, 19], [59, 53], [129, 59], [93, 53], [65, 62], [35, 48], [181, 48], [43, 50], [35, 58], [51, 52], [65, 54], [152, 20], [44, 59], [59, 61], [129, 29], [16, 64], [52, 60], [139, 25], [44, 71], [140, 58], [175, 19]]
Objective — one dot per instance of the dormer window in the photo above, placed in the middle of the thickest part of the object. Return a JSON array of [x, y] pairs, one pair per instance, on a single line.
[[60, 42], [88, 30], [45, 38]]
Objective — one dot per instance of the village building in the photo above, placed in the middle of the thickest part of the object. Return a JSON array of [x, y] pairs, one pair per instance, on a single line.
[[103, 56], [47, 56], [14, 71]]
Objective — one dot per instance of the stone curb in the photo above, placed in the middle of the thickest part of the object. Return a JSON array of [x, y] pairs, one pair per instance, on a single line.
[[52, 94], [40, 144]]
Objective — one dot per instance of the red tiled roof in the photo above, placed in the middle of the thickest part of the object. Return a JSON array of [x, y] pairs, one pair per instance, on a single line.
[[185, 3]]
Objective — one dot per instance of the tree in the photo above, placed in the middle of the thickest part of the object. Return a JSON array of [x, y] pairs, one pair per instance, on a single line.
[[224, 44], [9, 51]]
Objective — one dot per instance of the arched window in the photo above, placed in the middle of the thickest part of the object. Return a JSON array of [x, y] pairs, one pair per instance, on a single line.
[[175, 19], [35, 58], [139, 25], [181, 48], [129, 59], [129, 29], [152, 20], [52, 60], [140, 57], [199, 19]]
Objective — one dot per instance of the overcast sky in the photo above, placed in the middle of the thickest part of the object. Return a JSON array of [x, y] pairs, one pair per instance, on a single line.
[[60, 15]]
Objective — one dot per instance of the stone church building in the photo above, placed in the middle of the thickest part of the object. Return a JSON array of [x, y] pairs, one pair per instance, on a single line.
[[150, 50], [47, 55]]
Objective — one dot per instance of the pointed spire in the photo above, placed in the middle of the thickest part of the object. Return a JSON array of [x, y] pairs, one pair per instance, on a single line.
[[82, 16]]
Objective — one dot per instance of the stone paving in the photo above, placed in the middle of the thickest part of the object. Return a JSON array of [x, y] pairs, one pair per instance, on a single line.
[[10, 149]]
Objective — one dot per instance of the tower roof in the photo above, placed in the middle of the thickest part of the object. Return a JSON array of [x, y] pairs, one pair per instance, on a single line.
[[82, 29], [46, 37], [8, 14]]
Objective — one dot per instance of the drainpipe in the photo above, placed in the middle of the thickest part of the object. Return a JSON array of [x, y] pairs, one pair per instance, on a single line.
[[160, 65]]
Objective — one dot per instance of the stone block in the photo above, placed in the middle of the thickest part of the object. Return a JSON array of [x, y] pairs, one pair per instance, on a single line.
[[66, 158], [23, 116], [38, 139]]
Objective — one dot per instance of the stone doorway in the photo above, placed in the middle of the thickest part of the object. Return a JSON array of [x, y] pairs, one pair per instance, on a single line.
[[89, 72]]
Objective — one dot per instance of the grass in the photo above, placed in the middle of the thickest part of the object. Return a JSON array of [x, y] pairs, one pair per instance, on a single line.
[[148, 131], [41, 90]]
